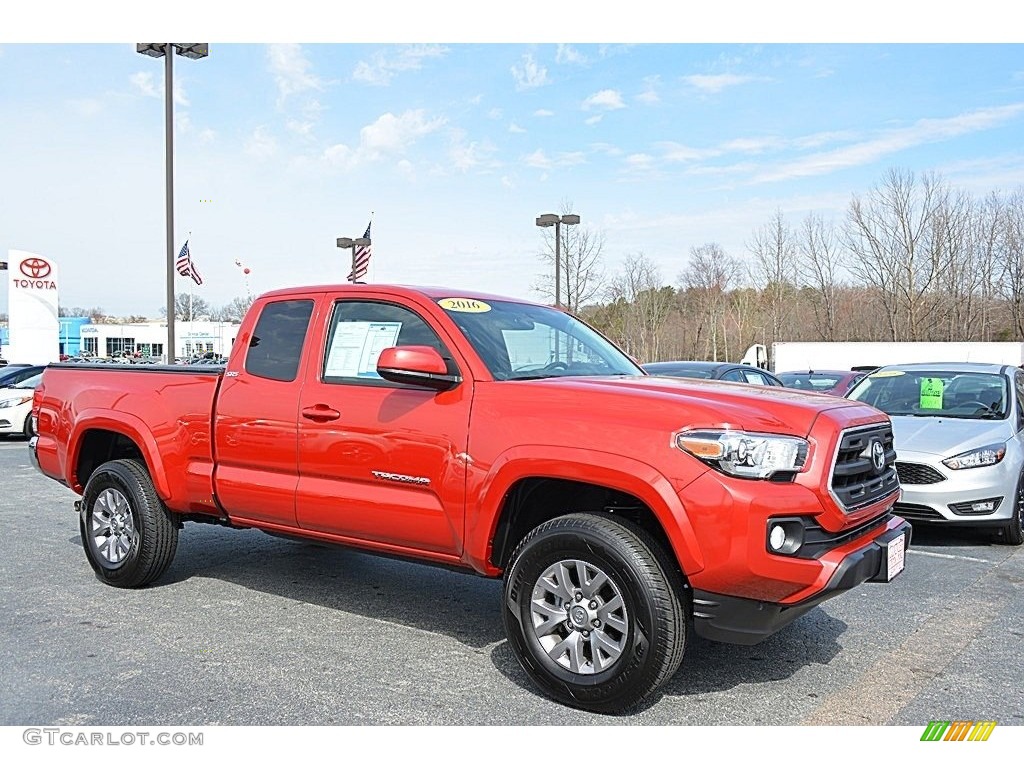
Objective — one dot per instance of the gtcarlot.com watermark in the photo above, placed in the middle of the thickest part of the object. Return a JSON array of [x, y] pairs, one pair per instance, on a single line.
[[76, 737]]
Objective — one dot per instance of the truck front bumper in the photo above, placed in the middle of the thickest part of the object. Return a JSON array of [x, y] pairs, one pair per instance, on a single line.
[[744, 621]]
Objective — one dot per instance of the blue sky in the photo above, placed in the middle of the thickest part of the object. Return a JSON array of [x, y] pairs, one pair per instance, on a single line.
[[457, 146]]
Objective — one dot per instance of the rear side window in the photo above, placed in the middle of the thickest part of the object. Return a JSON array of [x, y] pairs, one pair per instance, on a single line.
[[276, 345]]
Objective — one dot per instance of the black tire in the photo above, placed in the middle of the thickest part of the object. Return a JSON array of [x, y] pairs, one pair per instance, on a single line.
[[649, 649], [27, 429], [147, 533], [1013, 531]]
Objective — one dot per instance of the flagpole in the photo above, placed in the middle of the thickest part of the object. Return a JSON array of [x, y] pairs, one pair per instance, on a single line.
[[191, 336]]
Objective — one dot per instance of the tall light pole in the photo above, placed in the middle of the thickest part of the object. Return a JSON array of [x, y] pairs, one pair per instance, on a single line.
[[167, 51], [553, 219], [353, 243]]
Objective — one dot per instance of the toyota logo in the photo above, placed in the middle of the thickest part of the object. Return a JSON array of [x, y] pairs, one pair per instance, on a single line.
[[877, 455], [36, 268]]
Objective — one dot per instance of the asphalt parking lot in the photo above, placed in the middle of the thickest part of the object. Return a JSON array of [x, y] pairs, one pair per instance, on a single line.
[[247, 629]]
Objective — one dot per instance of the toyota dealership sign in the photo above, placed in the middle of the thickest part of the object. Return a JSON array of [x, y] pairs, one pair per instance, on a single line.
[[32, 308]]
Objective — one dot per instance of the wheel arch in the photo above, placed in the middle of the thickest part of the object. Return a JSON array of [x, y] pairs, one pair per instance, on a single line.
[[533, 484], [98, 438]]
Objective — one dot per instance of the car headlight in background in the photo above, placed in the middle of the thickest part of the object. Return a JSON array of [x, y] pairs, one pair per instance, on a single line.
[[15, 401], [745, 454], [979, 457]]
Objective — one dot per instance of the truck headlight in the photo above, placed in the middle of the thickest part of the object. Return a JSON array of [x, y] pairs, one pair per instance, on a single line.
[[745, 454], [15, 401], [979, 457]]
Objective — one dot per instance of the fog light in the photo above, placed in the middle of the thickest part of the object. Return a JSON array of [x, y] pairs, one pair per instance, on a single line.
[[777, 537], [983, 506]]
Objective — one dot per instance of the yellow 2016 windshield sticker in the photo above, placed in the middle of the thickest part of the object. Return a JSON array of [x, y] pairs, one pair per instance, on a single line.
[[931, 394], [464, 305]]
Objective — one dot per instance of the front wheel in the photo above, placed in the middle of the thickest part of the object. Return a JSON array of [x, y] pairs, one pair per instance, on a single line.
[[593, 612], [128, 534], [1013, 531]]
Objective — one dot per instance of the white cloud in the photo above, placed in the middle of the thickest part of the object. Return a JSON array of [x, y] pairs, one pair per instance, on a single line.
[[339, 154], [207, 136], [925, 131], [530, 74], [640, 161], [508, 182], [393, 135], [146, 84], [543, 113], [495, 114], [752, 146], [261, 144], [300, 127], [650, 92], [716, 83], [292, 71], [388, 135], [681, 153], [568, 55], [539, 159], [513, 128], [382, 68], [593, 119], [604, 100]]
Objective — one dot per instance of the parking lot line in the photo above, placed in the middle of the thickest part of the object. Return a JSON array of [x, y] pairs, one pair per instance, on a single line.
[[947, 556]]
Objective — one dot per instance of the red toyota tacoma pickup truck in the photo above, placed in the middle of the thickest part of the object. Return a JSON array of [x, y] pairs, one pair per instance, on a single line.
[[502, 437]]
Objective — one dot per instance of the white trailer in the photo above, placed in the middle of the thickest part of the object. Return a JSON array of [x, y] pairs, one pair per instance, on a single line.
[[845, 355]]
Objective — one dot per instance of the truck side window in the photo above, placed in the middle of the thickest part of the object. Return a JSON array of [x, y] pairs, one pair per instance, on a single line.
[[276, 344], [361, 330]]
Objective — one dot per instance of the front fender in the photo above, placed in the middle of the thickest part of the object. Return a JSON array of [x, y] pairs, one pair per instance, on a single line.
[[580, 465]]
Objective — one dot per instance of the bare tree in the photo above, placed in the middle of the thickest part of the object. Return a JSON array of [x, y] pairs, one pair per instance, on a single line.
[[646, 303], [775, 272], [709, 274], [889, 236], [188, 307], [1011, 256], [818, 266], [581, 268], [234, 310]]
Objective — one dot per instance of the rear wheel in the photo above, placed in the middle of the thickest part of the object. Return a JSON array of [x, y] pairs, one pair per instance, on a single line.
[[129, 536], [593, 612], [27, 429]]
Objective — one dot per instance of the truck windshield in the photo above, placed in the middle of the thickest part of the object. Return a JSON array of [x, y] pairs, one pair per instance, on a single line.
[[527, 341], [936, 392]]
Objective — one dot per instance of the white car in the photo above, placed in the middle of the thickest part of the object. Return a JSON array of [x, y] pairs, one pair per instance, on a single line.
[[16, 407]]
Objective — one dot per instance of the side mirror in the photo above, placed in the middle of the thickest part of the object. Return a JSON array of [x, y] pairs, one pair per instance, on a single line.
[[420, 366]]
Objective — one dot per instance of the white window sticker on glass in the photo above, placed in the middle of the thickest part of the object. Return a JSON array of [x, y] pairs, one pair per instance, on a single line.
[[356, 347]]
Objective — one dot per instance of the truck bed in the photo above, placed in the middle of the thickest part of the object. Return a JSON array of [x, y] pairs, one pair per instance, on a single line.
[[166, 409]]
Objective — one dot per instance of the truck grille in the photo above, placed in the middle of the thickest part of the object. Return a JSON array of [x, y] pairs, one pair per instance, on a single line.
[[917, 474], [856, 482]]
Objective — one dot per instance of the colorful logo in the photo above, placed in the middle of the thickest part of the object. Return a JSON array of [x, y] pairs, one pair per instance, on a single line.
[[35, 268], [958, 730]]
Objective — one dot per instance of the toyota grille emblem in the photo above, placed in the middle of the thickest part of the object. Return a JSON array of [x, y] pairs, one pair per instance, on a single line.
[[877, 455], [35, 268]]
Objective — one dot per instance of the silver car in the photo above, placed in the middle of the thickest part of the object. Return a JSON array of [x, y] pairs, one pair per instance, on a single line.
[[959, 443]]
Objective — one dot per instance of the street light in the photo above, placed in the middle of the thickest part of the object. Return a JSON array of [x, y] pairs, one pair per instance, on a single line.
[[353, 243], [166, 50], [553, 219]]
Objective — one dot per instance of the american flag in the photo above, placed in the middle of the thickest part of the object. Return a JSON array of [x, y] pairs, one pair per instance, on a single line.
[[360, 258], [186, 267]]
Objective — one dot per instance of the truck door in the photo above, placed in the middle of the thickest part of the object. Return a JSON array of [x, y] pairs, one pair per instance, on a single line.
[[378, 461], [256, 417]]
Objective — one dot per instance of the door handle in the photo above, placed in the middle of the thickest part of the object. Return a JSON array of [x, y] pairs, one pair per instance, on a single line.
[[320, 412]]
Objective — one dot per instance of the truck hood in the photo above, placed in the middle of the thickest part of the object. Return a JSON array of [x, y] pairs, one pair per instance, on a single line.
[[699, 403], [946, 437]]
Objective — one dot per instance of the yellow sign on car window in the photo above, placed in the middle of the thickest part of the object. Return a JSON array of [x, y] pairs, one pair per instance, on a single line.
[[464, 305]]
